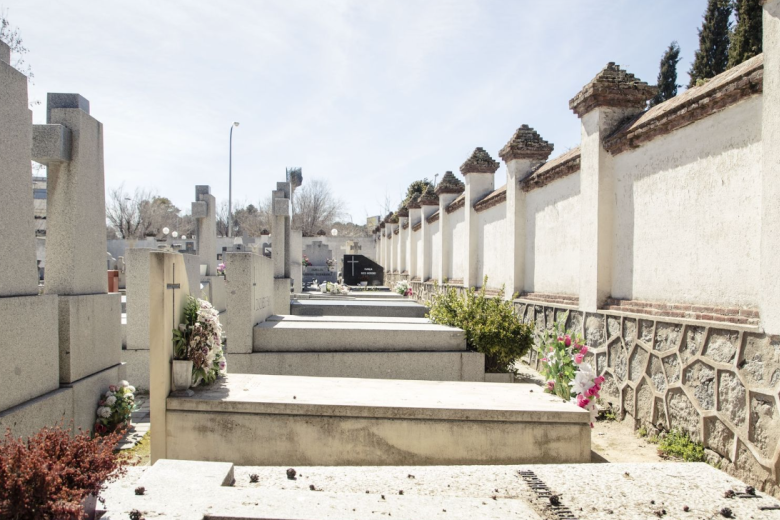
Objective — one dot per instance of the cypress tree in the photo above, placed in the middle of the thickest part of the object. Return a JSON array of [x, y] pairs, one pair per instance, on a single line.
[[712, 58], [746, 39], [667, 75]]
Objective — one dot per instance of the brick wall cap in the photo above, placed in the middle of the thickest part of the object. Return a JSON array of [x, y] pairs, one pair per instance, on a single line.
[[449, 184], [479, 162], [526, 143], [612, 87]]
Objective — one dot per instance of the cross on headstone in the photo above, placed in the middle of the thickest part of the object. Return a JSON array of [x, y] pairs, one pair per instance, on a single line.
[[353, 262], [173, 287]]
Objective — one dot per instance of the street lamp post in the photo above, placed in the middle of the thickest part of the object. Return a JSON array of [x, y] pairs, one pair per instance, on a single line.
[[230, 182]]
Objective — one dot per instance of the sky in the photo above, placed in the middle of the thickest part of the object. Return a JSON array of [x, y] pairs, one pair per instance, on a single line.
[[368, 95]]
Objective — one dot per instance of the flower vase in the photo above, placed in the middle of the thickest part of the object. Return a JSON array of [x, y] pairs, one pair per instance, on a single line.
[[89, 503], [181, 375]]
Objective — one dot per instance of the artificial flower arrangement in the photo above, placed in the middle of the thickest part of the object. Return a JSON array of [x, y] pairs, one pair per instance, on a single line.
[[403, 288], [115, 408], [305, 261], [199, 339], [334, 288], [568, 375], [221, 269], [330, 262]]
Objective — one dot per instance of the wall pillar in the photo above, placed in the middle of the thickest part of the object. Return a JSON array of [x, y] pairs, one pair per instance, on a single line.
[[415, 214], [522, 154], [429, 203], [392, 243], [448, 190], [479, 171], [769, 302], [611, 97], [403, 239]]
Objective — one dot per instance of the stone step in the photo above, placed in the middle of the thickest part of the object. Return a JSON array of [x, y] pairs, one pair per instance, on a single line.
[[349, 319], [427, 366], [326, 336], [365, 307], [286, 420]]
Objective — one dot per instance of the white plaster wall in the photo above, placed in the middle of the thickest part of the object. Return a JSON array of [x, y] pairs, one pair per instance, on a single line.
[[688, 208], [552, 246], [492, 250], [417, 237], [459, 252], [435, 247]]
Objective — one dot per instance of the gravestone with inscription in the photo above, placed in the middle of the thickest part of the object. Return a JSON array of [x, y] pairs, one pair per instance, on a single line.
[[358, 268]]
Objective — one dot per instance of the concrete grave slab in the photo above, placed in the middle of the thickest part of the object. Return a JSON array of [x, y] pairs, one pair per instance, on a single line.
[[426, 366], [323, 336], [447, 492], [349, 319], [389, 309], [286, 420]]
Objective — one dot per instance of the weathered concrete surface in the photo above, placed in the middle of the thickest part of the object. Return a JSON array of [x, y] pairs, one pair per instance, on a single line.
[[19, 276], [348, 319], [29, 348], [293, 336], [283, 420], [196, 498], [75, 402], [90, 334], [428, 366], [327, 307], [185, 489]]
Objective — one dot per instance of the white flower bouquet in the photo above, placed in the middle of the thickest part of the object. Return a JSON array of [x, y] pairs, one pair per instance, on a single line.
[[115, 408], [199, 339]]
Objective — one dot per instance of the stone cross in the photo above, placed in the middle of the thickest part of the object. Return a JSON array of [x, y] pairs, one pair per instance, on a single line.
[[16, 198], [204, 210], [71, 146]]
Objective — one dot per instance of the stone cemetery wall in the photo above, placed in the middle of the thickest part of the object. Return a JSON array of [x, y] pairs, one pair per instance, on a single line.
[[656, 239], [61, 349]]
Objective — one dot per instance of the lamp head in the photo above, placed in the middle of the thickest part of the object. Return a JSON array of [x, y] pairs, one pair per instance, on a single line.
[[235, 123]]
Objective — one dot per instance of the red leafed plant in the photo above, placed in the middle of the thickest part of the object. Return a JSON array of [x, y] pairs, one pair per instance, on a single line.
[[49, 475]]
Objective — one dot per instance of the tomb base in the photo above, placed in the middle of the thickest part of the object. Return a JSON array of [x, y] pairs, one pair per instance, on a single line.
[[425, 366], [75, 402], [281, 296], [29, 348], [388, 307], [287, 420], [215, 291], [90, 334]]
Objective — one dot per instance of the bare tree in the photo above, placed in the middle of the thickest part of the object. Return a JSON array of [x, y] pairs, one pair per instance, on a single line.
[[142, 214], [350, 229], [13, 38], [315, 207]]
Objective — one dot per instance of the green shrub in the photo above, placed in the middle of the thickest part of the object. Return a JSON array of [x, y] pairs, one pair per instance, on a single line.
[[677, 444], [490, 324]]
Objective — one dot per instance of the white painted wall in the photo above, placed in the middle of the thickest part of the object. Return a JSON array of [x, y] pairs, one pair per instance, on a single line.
[[688, 213], [458, 261], [436, 247], [552, 247], [417, 237], [493, 253]]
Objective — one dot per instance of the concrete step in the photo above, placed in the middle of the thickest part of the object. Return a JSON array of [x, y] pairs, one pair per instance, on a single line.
[[349, 319], [327, 336], [390, 308], [288, 421], [425, 366]]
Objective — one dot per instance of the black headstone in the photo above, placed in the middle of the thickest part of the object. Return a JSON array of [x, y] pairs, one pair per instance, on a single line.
[[358, 268]]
